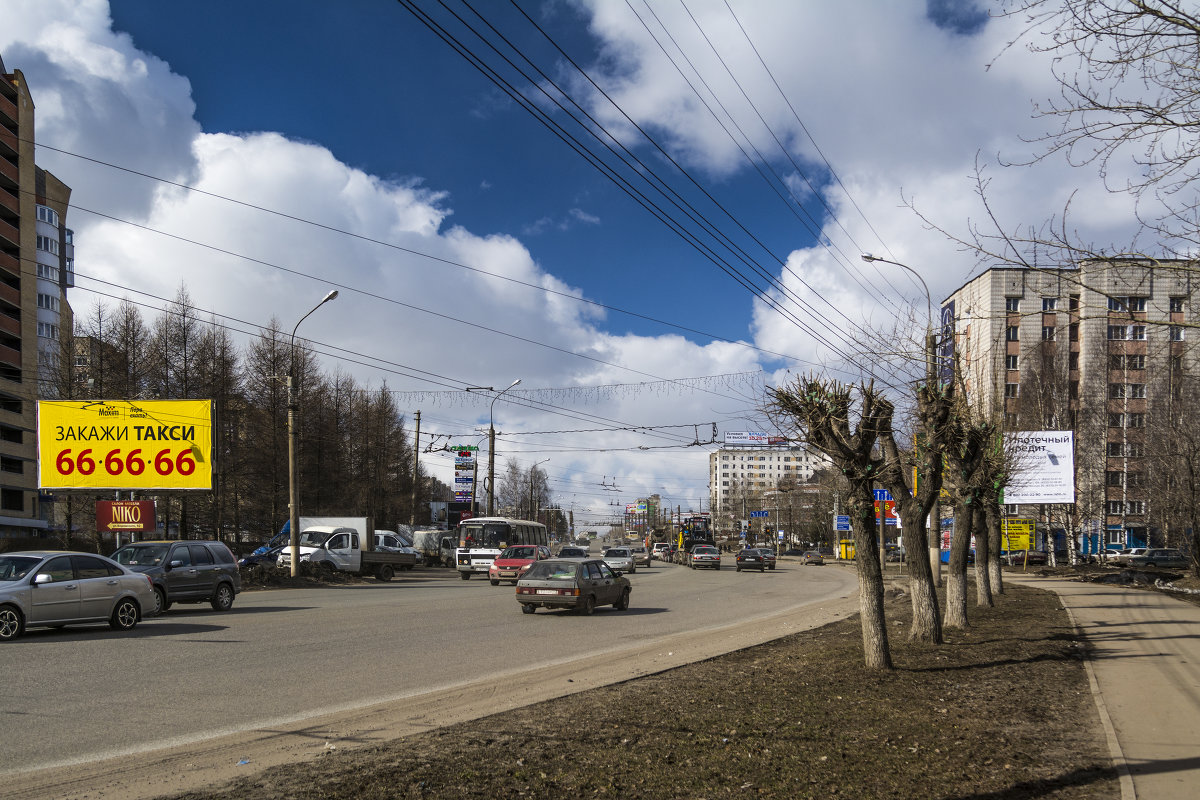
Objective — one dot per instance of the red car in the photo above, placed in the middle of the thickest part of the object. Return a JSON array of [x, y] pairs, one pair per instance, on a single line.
[[513, 562]]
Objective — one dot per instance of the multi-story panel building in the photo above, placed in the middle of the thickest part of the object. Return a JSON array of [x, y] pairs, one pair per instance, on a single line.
[[36, 267], [737, 472], [1101, 350]]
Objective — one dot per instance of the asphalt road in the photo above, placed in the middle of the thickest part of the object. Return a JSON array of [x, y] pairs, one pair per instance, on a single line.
[[82, 695]]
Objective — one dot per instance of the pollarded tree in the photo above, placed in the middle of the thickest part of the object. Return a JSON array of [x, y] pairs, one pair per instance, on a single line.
[[823, 410]]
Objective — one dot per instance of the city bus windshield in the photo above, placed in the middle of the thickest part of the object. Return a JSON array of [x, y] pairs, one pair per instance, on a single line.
[[492, 535]]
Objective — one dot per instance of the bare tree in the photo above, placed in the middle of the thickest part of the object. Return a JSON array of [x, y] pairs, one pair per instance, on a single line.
[[823, 409]]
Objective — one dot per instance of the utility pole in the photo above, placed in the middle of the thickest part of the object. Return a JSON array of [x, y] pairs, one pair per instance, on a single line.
[[412, 514]]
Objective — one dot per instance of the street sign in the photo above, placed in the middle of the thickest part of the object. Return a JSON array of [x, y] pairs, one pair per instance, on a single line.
[[882, 494], [760, 513], [841, 522]]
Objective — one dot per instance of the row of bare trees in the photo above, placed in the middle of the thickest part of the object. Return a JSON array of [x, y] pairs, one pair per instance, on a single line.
[[355, 456]]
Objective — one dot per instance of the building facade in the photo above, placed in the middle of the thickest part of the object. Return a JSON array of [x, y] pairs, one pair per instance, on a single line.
[[1103, 350], [36, 268], [735, 473]]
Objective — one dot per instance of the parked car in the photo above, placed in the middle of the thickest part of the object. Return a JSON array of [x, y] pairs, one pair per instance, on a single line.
[[704, 555], [1019, 558], [568, 583], [1121, 557], [768, 556], [573, 552], [512, 562], [620, 559], [661, 551], [57, 588], [641, 556], [750, 558], [185, 571], [812, 557], [1159, 557], [267, 557]]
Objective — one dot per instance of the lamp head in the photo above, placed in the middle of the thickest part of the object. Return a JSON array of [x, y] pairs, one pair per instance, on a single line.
[[329, 296]]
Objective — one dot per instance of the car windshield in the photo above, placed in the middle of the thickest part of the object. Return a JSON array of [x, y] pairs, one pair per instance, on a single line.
[[525, 551], [313, 538], [141, 555], [13, 568], [551, 571], [706, 550], [617, 552]]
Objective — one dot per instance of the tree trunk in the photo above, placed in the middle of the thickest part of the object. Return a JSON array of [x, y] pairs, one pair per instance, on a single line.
[[992, 516], [956, 577], [927, 616], [876, 651], [983, 576]]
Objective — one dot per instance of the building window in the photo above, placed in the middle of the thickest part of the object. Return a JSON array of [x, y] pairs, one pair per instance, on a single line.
[[1011, 333], [1177, 304], [1136, 303], [1116, 420], [1176, 333], [1116, 332], [1135, 449], [12, 465], [1135, 421], [1073, 303], [1137, 391], [1048, 333], [1011, 389], [1073, 361], [1135, 362], [1010, 362], [1116, 449], [46, 330], [49, 215], [1116, 304], [1012, 509], [47, 301], [1135, 507], [47, 244], [1116, 391], [1135, 479], [1112, 478], [1073, 390], [1010, 421], [1137, 332], [1073, 331], [1115, 507], [1012, 305], [1049, 303]]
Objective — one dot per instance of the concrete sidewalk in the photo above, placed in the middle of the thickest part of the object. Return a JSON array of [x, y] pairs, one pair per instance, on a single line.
[[1145, 667]]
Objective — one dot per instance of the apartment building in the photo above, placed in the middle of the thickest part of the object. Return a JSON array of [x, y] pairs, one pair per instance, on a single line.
[[1104, 350], [737, 472], [36, 268]]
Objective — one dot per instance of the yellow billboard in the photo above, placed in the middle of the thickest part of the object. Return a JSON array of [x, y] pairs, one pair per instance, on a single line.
[[125, 444], [1016, 533]]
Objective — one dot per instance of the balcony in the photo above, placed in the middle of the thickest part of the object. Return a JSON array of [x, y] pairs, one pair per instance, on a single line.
[[8, 142], [11, 265], [8, 109], [10, 176], [11, 234], [10, 356]]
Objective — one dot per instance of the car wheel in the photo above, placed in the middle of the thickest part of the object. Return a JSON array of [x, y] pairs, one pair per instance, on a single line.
[[589, 604], [161, 603], [385, 573], [528, 608], [623, 603], [466, 576], [12, 624], [124, 616], [632, 570], [1149, 564], [739, 568], [222, 599], [494, 582]]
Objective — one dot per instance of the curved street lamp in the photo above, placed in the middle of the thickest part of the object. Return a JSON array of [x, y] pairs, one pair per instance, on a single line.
[[532, 482], [491, 505], [293, 405]]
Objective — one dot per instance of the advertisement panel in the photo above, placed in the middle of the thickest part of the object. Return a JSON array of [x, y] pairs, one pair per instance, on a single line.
[[742, 438], [1016, 534], [124, 444], [1043, 468], [125, 515]]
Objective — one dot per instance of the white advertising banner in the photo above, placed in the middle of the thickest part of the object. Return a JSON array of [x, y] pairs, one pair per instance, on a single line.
[[743, 438], [1043, 467]]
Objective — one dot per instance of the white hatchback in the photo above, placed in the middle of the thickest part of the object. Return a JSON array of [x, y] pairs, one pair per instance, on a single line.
[[620, 559]]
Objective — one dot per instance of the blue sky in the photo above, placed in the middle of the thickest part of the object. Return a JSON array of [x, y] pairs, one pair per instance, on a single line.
[[463, 235]]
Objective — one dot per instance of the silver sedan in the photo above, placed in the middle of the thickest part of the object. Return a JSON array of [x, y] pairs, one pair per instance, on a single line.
[[620, 559], [53, 589]]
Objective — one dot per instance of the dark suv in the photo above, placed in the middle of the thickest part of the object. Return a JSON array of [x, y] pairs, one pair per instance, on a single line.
[[191, 571]]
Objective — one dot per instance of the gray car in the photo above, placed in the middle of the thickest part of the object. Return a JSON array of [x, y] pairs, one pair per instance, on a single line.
[[620, 559], [1159, 557], [580, 584], [53, 589], [186, 571]]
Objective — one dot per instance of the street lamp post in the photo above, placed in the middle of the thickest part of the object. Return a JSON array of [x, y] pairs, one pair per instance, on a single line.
[[491, 505], [935, 556], [293, 404]]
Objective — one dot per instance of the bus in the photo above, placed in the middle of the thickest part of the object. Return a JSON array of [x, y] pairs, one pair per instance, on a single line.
[[480, 540]]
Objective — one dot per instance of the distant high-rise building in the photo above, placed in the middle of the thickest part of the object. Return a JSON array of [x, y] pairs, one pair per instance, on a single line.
[[36, 268]]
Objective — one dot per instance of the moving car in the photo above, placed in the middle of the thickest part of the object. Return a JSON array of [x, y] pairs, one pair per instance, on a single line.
[[768, 556], [620, 559], [185, 571], [569, 583], [661, 551], [704, 555], [513, 561], [1159, 557], [56, 588], [749, 558], [811, 557], [641, 556], [573, 552]]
